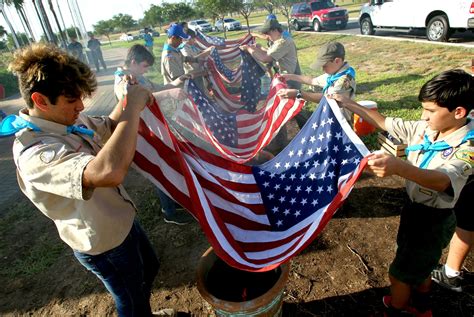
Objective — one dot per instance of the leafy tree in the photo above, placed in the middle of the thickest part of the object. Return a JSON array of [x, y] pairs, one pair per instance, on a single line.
[[265, 4], [123, 22], [177, 12], [153, 16], [246, 8], [72, 32], [3, 32], [284, 6], [104, 27], [22, 38], [219, 8]]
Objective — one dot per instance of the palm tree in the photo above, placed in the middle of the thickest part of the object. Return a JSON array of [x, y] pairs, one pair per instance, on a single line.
[[61, 33], [18, 5], [15, 38], [3, 32]]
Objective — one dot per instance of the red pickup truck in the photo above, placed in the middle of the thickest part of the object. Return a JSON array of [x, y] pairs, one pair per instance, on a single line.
[[319, 15]]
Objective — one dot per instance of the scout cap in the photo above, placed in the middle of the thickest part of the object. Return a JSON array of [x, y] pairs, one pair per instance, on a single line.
[[177, 30], [328, 52], [269, 25], [271, 17]]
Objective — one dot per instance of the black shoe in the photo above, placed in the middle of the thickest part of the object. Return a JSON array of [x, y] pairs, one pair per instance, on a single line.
[[439, 276]]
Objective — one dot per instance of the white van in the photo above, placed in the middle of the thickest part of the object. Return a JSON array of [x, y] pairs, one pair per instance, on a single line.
[[440, 18]]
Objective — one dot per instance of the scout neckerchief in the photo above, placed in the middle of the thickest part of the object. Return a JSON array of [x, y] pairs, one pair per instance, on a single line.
[[13, 123], [168, 47], [431, 148], [332, 78]]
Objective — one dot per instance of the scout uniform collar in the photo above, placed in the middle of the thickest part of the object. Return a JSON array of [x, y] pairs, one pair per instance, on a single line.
[[430, 147], [168, 47], [345, 70], [13, 123]]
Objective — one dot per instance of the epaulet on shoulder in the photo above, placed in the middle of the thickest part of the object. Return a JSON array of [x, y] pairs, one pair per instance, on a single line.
[[25, 137]]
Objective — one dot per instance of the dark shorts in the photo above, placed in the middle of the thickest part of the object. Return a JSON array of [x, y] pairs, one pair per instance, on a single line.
[[423, 234], [463, 209]]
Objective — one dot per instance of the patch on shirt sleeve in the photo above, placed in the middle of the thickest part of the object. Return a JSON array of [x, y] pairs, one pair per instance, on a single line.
[[466, 156], [47, 156]]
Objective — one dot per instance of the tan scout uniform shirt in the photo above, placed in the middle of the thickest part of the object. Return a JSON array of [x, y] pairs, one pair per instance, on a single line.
[[50, 165], [172, 64], [456, 162], [191, 51], [283, 52], [345, 85]]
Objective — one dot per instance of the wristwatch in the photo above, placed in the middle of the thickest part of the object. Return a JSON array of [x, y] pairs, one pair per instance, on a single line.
[[298, 94]]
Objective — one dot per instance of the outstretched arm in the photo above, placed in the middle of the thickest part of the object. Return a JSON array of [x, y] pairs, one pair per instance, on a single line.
[[382, 165], [299, 78], [257, 53], [306, 95], [369, 115], [111, 164]]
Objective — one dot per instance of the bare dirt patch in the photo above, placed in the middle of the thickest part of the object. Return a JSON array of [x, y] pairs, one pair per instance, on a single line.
[[342, 273]]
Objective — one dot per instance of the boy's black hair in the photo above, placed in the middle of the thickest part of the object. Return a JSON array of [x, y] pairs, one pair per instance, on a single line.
[[139, 53], [47, 69], [450, 89]]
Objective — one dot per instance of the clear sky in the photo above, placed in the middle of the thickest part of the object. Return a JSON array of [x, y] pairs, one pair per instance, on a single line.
[[91, 10]]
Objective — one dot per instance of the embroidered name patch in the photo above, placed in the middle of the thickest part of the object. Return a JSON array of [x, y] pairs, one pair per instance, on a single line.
[[466, 156]]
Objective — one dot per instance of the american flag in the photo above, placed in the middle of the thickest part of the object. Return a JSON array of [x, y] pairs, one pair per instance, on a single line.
[[257, 218], [212, 40], [228, 50], [249, 75], [229, 75], [238, 136], [252, 73]]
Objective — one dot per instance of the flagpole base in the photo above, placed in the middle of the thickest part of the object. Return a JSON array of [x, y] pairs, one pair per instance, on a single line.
[[232, 292]]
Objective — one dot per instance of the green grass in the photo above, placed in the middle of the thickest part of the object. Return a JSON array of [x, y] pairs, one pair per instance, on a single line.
[[34, 253]]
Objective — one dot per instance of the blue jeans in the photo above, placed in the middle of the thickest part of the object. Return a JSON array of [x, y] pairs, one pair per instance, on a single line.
[[167, 204], [127, 272]]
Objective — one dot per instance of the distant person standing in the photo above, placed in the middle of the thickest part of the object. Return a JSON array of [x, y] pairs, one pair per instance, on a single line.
[[148, 37], [75, 48], [94, 45]]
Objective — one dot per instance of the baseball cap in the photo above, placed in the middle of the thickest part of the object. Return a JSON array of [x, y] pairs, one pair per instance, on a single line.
[[177, 30], [269, 25], [271, 17], [328, 52]]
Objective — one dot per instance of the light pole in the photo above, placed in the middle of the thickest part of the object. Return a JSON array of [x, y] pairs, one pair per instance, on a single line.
[[15, 39]]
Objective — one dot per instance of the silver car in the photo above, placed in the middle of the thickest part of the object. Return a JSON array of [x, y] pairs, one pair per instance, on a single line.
[[200, 25], [228, 24]]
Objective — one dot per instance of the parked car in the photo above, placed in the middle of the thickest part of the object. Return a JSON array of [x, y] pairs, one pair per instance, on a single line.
[[228, 24], [440, 18], [126, 37], [200, 25], [319, 15]]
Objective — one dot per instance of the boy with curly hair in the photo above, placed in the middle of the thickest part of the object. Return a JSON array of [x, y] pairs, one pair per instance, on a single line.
[[71, 167]]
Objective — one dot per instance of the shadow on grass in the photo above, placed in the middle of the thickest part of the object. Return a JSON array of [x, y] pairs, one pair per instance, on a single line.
[[366, 87]]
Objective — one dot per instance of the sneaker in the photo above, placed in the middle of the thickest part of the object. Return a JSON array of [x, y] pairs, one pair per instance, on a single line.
[[179, 218], [439, 276], [165, 312]]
